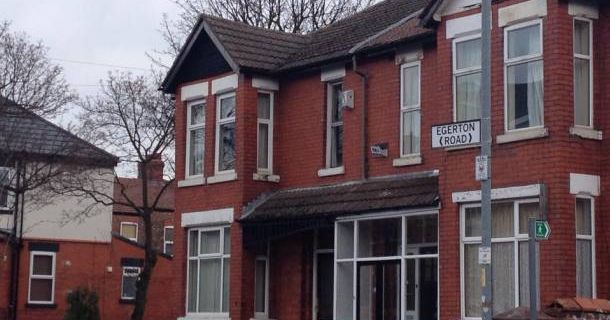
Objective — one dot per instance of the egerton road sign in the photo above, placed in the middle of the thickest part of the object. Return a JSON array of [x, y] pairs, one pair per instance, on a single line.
[[543, 230], [456, 134]]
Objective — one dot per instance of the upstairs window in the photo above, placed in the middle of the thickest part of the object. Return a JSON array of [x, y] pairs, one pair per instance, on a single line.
[[129, 230], [585, 248], [265, 132], [128, 282], [410, 109], [195, 141], [168, 240], [42, 277], [524, 75], [225, 133], [334, 125], [5, 180], [583, 73], [467, 78]]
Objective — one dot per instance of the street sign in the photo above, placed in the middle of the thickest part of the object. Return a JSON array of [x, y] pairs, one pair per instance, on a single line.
[[484, 255], [543, 230], [456, 134], [481, 168]]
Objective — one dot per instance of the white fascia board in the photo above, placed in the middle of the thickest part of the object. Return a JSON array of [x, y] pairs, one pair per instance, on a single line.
[[583, 8], [521, 11], [265, 83], [462, 26], [584, 184], [194, 91], [225, 84], [331, 73], [206, 218], [532, 190]]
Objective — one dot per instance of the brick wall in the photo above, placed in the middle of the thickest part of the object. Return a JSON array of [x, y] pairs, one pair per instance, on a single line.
[[159, 220]]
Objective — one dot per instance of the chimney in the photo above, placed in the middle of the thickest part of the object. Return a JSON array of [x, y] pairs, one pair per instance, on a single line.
[[155, 168]]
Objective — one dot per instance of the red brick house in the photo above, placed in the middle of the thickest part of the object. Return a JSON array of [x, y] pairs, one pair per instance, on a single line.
[[308, 187]]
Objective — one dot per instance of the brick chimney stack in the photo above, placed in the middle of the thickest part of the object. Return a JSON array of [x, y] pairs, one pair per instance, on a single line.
[[155, 168]]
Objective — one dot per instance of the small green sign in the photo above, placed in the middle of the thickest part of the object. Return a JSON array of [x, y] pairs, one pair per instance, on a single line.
[[543, 230]]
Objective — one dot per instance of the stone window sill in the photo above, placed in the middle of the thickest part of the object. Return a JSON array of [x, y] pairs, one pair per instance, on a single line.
[[521, 135], [223, 177], [327, 172], [409, 160], [204, 317], [586, 133], [191, 182], [261, 176]]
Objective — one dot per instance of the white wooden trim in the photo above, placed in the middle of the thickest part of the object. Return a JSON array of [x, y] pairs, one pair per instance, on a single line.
[[463, 25], [464, 71], [265, 83], [585, 184], [332, 73], [521, 11], [51, 277], [410, 108], [224, 84], [532, 190], [210, 217], [130, 224], [194, 91], [329, 126], [583, 8]]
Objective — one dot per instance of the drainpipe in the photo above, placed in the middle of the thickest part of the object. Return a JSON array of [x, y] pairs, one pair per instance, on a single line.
[[364, 81]]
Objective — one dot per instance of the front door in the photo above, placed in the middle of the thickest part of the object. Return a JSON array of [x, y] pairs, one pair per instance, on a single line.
[[379, 290]]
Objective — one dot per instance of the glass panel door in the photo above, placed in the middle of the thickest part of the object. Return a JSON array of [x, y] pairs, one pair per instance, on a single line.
[[379, 290]]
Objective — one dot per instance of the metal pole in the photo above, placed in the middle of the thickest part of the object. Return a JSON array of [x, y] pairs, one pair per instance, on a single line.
[[532, 266], [486, 268]]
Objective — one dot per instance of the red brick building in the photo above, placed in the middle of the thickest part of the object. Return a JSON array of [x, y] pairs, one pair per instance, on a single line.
[[308, 187]]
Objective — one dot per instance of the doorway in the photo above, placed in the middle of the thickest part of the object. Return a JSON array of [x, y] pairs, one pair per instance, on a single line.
[[379, 290]]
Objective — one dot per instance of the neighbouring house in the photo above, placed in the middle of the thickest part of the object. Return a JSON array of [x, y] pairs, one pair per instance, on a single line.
[[52, 243], [309, 187], [128, 224]]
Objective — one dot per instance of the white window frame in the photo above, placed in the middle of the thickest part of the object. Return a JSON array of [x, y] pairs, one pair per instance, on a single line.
[[165, 241], [190, 127], [412, 108], [123, 297], [330, 124], [592, 239], [9, 195], [515, 239], [220, 122], [42, 277], [129, 223], [269, 123], [262, 315], [221, 255], [464, 71], [522, 60], [591, 69]]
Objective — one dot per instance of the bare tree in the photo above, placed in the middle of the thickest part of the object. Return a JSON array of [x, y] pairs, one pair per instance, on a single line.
[[136, 121], [294, 16], [28, 77]]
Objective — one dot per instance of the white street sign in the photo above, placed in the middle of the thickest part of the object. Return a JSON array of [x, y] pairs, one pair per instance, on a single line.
[[456, 134]]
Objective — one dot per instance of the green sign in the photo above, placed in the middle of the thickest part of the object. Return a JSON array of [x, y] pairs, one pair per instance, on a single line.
[[543, 230]]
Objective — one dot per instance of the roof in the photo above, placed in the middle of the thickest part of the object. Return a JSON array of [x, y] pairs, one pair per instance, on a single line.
[[134, 193], [266, 51], [373, 195], [22, 131]]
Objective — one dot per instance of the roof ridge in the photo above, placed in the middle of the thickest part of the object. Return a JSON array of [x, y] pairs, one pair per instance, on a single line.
[[206, 16]]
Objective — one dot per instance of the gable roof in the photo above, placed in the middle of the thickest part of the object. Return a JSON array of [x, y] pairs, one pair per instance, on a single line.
[[22, 131], [248, 48]]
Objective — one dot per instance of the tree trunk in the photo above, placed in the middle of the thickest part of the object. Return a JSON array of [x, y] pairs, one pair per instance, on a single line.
[[150, 260]]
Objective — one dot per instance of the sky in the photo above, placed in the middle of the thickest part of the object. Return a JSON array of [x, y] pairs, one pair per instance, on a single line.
[[102, 34]]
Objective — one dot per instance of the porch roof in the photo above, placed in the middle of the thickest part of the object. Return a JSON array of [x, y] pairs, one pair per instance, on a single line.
[[398, 192]]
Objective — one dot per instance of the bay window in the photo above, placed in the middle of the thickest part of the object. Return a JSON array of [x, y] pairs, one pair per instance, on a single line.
[[467, 78], [583, 72], [585, 248], [410, 109], [225, 133], [509, 255], [524, 83], [42, 277], [209, 254], [265, 106], [334, 125], [195, 140]]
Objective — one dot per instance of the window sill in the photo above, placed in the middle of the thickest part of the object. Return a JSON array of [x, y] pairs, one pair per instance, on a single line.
[[222, 177], [409, 160], [191, 182], [204, 317], [327, 172], [265, 177], [526, 134], [586, 133], [127, 301], [41, 306]]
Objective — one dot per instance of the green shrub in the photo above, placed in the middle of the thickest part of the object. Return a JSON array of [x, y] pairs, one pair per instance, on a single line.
[[82, 305]]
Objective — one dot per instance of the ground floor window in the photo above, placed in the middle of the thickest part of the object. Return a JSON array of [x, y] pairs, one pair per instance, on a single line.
[[209, 254], [387, 268], [585, 248], [509, 255], [42, 277], [128, 282]]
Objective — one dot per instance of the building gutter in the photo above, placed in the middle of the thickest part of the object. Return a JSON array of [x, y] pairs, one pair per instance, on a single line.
[[364, 121]]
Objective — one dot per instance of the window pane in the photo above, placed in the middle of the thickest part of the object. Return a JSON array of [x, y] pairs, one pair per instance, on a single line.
[[210, 242], [410, 86], [336, 147], [209, 285], [129, 231], [345, 290], [583, 217], [326, 238], [226, 150], [193, 270], [169, 249], [130, 277], [42, 266], [524, 41], [526, 211], [345, 240], [377, 238], [41, 290], [227, 107], [468, 97], [468, 54], [169, 234], [197, 113], [196, 152], [584, 269], [226, 284], [582, 93], [227, 240], [260, 282], [264, 106], [337, 115], [502, 220], [525, 95], [581, 37], [473, 222], [411, 132], [472, 280], [503, 273], [193, 243], [263, 146], [422, 230]]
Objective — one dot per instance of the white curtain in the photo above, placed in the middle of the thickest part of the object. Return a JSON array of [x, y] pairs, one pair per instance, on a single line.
[[410, 83], [345, 291], [209, 285], [503, 273], [581, 92], [535, 96], [210, 241], [502, 218], [472, 281], [584, 269], [192, 286], [468, 96]]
